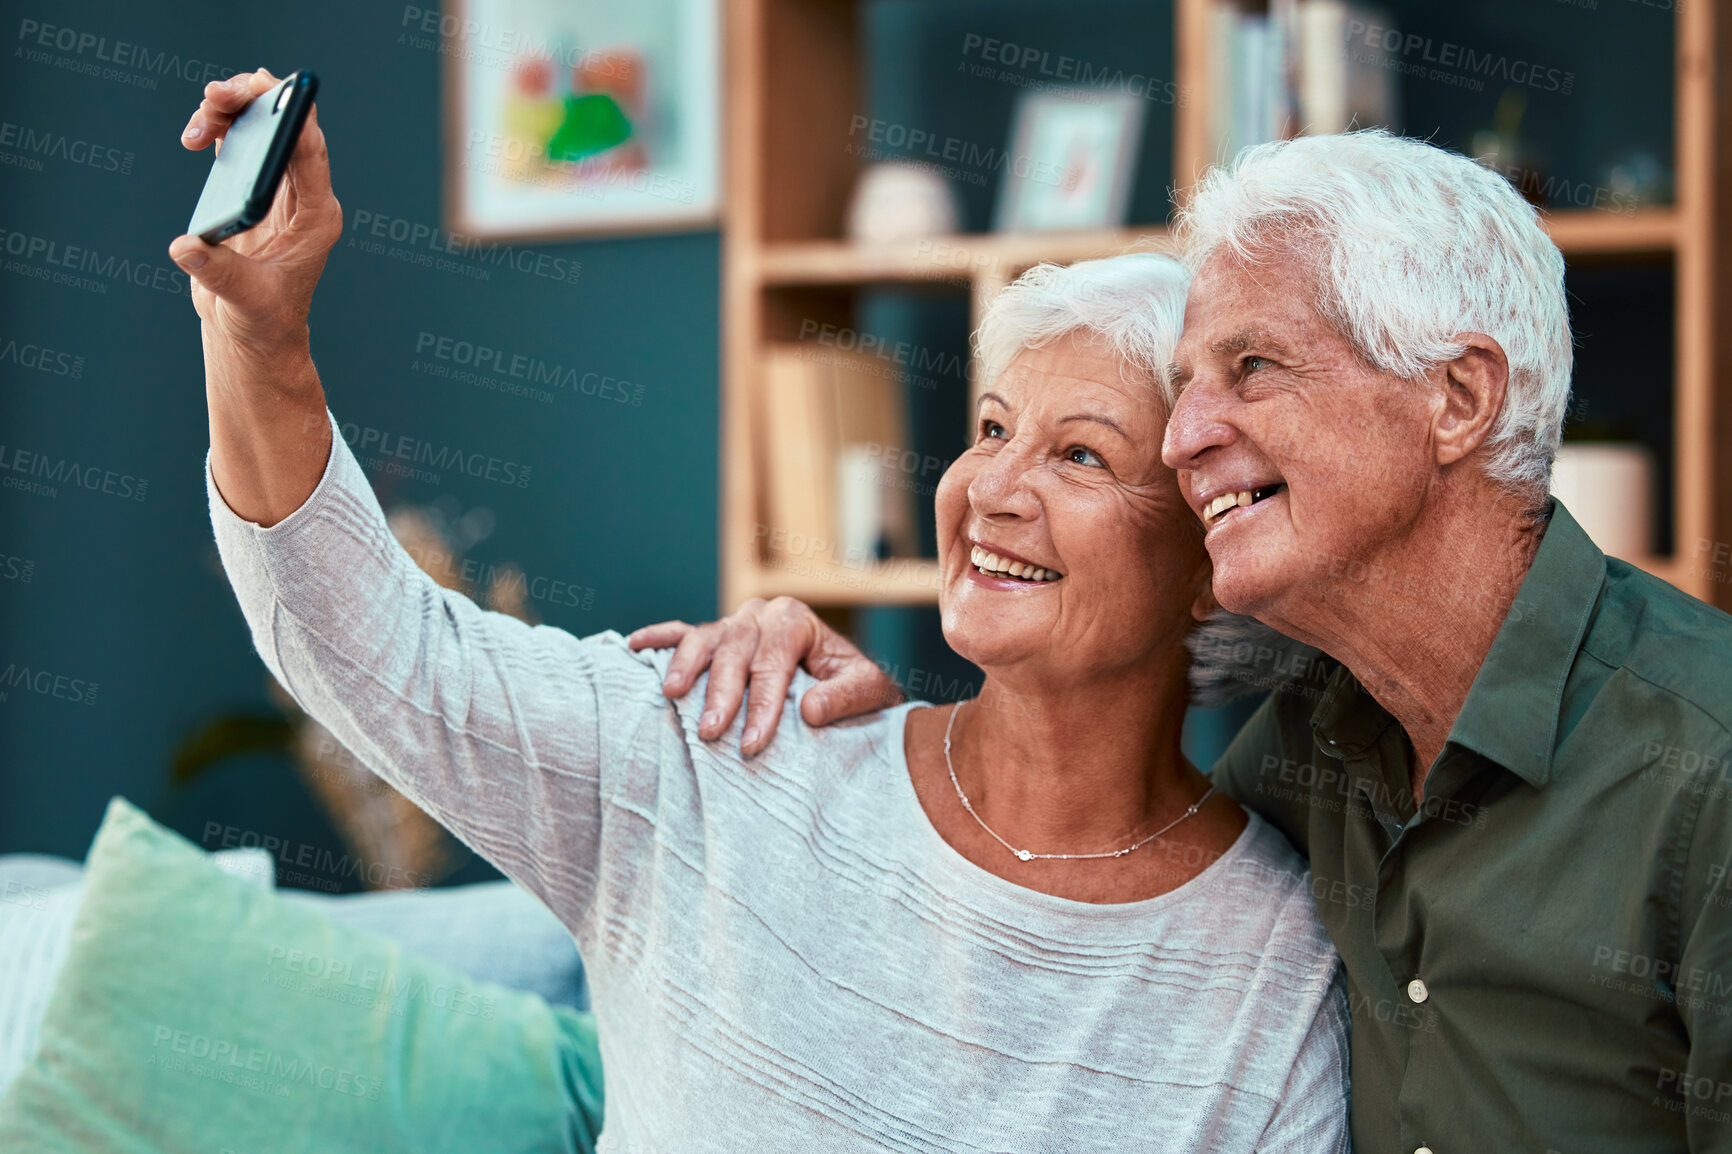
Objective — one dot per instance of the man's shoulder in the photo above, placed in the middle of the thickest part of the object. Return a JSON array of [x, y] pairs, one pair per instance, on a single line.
[[1672, 645], [1281, 725], [1271, 767]]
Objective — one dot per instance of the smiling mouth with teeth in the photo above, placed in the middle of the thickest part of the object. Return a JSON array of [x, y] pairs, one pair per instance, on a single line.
[[993, 565], [1244, 498]]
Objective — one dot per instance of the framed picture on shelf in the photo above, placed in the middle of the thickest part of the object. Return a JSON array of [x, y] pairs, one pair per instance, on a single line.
[[571, 117], [1073, 153]]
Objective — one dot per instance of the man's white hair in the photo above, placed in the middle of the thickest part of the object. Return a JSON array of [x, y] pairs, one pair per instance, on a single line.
[[1411, 245], [1135, 302]]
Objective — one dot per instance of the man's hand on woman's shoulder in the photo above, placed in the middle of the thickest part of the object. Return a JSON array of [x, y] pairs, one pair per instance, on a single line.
[[759, 646]]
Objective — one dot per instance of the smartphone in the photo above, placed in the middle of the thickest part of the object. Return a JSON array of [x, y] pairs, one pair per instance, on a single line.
[[254, 155]]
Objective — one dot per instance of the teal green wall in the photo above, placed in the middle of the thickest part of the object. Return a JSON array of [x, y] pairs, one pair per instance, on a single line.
[[127, 593]]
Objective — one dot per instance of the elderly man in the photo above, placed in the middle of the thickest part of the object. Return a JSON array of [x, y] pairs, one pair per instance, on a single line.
[[1511, 772]]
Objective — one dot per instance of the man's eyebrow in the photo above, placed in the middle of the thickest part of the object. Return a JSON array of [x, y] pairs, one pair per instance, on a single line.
[[1248, 338], [1097, 419], [1179, 373]]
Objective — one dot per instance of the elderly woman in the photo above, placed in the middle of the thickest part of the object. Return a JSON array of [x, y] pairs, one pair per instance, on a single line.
[[1022, 924]]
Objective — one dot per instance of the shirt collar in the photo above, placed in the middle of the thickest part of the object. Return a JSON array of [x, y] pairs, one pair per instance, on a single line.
[[1348, 721], [1512, 709]]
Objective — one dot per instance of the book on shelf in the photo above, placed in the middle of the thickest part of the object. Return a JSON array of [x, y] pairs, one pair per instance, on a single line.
[[1298, 67], [835, 427]]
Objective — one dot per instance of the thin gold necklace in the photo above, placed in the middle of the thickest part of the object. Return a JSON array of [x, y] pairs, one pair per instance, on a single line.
[[1029, 855]]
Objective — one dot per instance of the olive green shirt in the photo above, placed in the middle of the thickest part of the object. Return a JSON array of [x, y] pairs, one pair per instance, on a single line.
[[1539, 956]]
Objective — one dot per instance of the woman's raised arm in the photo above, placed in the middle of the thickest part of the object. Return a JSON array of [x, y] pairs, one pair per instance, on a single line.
[[492, 726]]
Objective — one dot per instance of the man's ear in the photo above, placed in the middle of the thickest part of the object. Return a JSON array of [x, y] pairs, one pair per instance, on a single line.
[[1475, 387]]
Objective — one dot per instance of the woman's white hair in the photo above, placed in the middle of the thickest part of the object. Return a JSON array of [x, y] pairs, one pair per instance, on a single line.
[[1136, 303], [1411, 245]]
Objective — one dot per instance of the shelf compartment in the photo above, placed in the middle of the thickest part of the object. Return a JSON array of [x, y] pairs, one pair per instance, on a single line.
[[822, 581]]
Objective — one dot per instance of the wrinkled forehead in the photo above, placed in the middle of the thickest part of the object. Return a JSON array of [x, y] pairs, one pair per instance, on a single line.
[[1081, 373], [1237, 306]]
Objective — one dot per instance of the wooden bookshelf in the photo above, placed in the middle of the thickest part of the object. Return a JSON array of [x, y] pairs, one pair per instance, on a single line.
[[794, 77]]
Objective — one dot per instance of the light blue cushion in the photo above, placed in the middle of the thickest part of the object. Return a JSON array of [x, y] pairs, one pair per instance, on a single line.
[[494, 932], [197, 1012]]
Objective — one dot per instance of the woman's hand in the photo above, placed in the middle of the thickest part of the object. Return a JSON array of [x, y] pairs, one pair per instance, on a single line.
[[270, 437], [762, 643], [255, 289]]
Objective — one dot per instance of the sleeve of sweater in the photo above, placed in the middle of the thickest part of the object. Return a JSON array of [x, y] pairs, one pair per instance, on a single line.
[[1312, 1116], [498, 729]]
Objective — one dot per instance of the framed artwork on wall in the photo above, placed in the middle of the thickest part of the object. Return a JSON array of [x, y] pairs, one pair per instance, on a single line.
[[1073, 152], [572, 117]]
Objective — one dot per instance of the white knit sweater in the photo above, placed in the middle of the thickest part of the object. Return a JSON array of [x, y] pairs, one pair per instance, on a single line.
[[783, 953]]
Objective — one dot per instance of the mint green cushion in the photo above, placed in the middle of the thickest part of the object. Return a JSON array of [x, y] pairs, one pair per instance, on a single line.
[[197, 1012]]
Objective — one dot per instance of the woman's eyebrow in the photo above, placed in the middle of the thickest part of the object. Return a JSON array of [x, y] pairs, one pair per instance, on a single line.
[[1097, 419], [985, 397]]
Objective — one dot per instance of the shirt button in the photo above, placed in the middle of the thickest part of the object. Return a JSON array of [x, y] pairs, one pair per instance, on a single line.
[[1417, 991]]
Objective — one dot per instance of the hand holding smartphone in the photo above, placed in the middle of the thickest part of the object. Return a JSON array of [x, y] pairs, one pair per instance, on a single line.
[[254, 155], [270, 435]]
